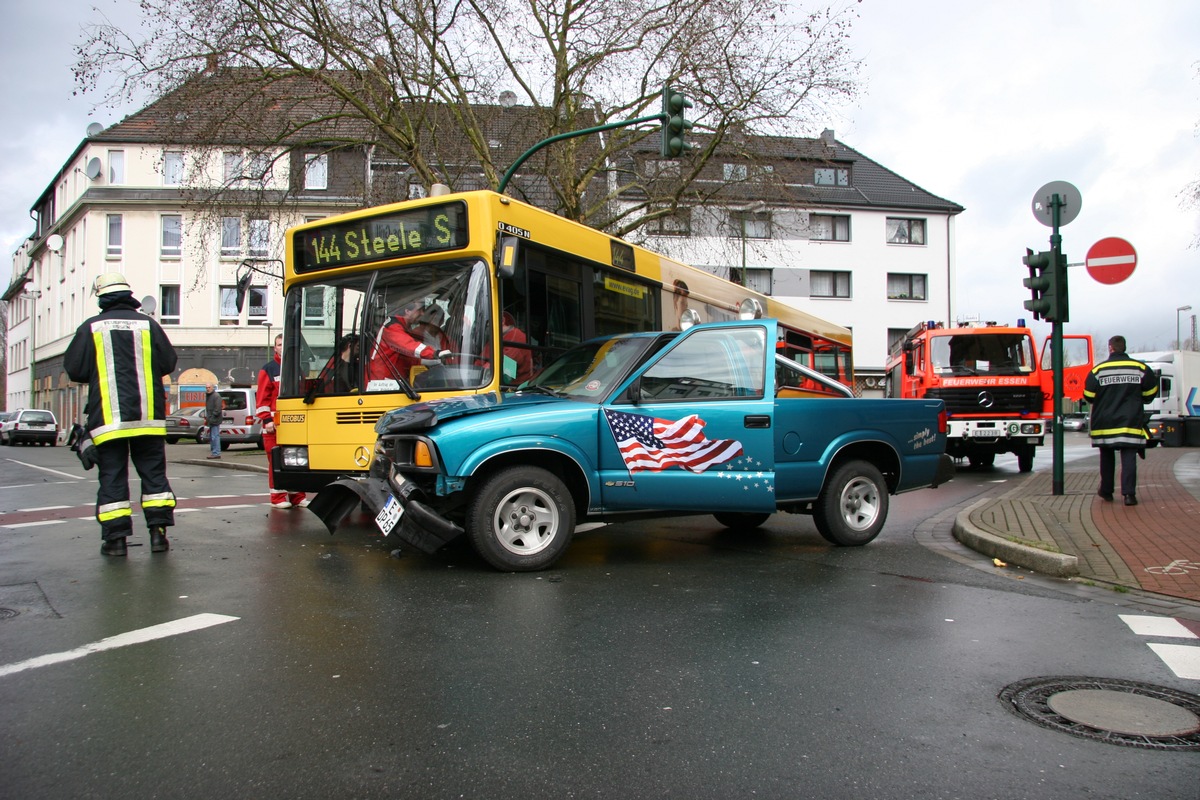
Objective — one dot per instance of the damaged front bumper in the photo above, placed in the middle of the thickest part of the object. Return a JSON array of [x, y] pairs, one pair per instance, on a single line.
[[399, 507]]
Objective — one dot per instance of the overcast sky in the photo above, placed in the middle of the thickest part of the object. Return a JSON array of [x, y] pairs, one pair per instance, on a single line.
[[981, 103]]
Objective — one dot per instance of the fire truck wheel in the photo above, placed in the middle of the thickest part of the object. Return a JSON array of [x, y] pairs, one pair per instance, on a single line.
[[981, 460], [853, 505], [1025, 461]]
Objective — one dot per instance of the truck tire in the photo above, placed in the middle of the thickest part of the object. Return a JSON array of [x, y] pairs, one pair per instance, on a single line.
[[521, 519], [983, 459], [741, 521], [1025, 460], [853, 505]]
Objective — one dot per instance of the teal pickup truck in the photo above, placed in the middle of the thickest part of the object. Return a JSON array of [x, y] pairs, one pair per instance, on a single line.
[[708, 421]]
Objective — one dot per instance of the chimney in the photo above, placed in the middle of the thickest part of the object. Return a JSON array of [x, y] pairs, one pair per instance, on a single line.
[[827, 137], [210, 64]]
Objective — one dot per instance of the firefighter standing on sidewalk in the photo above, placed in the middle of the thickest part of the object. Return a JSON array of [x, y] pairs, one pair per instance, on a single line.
[[123, 356], [1117, 388]]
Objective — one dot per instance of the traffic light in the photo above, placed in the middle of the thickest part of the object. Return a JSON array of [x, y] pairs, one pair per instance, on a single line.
[[675, 124], [1041, 284]]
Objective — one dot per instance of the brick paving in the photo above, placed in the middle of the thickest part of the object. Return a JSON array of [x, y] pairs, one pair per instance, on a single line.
[[1153, 546]]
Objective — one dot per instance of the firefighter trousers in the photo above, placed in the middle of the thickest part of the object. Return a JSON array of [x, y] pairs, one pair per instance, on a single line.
[[113, 509]]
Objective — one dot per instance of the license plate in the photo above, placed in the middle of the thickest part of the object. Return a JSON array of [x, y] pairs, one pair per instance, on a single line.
[[386, 519], [984, 433]]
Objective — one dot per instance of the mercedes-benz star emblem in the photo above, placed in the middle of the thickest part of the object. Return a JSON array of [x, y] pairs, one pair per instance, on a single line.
[[986, 400], [362, 457]]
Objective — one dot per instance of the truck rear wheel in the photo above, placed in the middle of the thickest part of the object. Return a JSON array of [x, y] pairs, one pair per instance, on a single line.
[[521, 519], [741, 521], [853, 505]]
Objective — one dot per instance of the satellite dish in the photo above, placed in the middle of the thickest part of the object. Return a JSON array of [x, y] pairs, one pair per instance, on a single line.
[[54, 243], [94, 169], [508, 98], [94, 129], [149, 304]]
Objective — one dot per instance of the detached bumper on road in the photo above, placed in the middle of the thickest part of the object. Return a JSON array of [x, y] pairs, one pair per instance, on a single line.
[[420, 526]]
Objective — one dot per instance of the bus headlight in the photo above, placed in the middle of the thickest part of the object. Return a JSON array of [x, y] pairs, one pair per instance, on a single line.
[[296, 457]]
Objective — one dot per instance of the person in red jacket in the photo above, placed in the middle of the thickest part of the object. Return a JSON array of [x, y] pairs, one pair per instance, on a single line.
[[399, 347], [268, 393]]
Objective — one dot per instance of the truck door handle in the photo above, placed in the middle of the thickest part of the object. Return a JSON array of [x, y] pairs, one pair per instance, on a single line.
[[757, 421]]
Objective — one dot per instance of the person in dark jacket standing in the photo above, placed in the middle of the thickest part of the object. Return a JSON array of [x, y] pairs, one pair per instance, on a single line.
[[1117, 389], [123, 356], [213, 414]]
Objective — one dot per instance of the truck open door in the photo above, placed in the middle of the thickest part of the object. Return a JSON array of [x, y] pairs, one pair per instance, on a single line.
[[1077, 363]]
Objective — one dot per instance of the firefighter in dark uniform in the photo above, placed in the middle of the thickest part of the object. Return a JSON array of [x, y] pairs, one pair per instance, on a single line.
[[123, 356], [1117, 388]]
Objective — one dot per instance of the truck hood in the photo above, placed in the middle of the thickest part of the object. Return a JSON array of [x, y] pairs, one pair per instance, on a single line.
[[425, 415]]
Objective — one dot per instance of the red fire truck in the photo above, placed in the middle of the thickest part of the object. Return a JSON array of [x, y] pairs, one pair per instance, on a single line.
[[999, 396]]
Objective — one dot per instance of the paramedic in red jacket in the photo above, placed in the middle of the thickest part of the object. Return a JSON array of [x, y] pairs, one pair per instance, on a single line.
[[268, 393], [399, 347]]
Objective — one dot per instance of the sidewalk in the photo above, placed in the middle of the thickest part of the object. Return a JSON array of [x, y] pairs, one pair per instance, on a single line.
[[1153, 546]]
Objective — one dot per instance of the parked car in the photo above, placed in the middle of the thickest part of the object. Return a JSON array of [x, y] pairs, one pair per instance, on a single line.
[[30, 425], [185, 424], [1075, 422], [6, 418], [238, 424], [708, 421]]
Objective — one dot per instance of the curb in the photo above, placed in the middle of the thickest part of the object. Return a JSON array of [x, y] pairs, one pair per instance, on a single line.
[[222, 464], [1059, 565]]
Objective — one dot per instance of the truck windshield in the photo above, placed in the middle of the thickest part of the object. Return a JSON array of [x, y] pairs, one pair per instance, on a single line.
[[982, 354], [590, 371]]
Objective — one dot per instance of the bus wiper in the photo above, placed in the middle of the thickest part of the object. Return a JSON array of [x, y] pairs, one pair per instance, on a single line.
[[540, 390]]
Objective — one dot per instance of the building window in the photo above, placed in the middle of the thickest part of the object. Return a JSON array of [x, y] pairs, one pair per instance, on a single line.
[[258, 238], [734, 172], [260, 168], [316, 172], [231, 171], [172, 236], [894, 337], [314, 307], [114, 248], [231, 237], [829, 227], [676, 223], [827, 283], [116, 167], [172, 168], [228, 305], [905, 231], [750, 224], [256, 306], [756, 278], [830, 176], [168, 305], [905, 287]]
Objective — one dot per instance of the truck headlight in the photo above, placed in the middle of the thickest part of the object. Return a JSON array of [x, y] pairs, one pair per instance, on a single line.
[[1031, 428]]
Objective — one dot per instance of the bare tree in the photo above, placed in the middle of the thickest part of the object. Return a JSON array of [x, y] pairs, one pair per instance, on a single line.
[[426, 84]]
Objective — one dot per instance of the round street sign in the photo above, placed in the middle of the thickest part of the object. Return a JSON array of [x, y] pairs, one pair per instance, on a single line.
[[1111, 260], [1070, 199]]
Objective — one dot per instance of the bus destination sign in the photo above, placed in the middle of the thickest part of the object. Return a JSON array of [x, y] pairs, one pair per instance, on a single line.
[[394, 234]]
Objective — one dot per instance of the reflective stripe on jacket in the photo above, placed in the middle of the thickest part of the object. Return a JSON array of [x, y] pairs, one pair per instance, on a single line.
[[1118, 388]]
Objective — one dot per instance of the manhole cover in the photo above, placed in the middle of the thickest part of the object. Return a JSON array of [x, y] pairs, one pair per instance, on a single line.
[[1110, 710], [8, 613]]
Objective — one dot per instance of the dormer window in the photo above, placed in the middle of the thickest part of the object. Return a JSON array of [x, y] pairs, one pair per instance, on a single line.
[[831, 176]]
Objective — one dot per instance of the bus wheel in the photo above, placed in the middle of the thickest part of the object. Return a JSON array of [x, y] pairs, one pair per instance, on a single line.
[[521, 519], [853, 505], [741, 521]]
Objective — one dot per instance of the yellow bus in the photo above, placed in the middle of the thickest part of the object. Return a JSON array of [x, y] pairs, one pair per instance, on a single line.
[[390, 305]]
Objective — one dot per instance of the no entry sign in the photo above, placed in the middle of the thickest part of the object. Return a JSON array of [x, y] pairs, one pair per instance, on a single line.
[[1111, 260]]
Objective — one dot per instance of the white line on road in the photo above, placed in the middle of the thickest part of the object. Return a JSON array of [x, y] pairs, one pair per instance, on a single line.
[[1184, 660], [1157, 626], [185, 625], [47, 469]]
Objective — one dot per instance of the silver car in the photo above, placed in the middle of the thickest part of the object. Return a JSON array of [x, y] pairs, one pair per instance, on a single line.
[[238, 425], [185, 425]]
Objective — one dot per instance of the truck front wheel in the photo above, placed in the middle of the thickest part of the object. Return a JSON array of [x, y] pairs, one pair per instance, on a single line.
[[740, 520], [853, 505], [521, 519]]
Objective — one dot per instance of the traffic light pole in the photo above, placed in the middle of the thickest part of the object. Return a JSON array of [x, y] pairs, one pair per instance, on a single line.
[[1056, 338]]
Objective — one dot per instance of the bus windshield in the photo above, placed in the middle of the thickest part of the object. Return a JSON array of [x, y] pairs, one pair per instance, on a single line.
[[413, 328]]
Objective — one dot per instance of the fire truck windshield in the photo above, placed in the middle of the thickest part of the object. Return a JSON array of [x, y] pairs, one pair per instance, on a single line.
[[982, 354]]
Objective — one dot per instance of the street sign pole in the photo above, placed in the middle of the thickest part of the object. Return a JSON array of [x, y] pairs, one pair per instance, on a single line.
[[1056, 340]]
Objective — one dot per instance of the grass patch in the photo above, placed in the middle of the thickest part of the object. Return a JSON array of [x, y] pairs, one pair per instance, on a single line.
[[1037, 545]]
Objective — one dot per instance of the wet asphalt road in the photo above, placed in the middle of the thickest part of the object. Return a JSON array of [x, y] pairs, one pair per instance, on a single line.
[[662, 659]]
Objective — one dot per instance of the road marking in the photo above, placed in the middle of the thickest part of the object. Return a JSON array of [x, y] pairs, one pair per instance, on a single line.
[[1157, 626], [35, 524], [1184, 660], [185, 625], [47, 469]]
